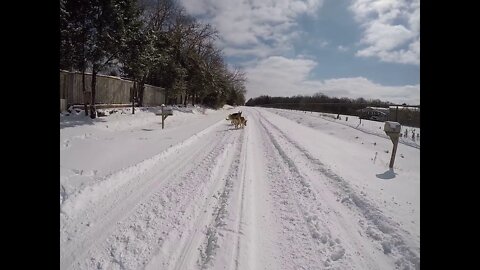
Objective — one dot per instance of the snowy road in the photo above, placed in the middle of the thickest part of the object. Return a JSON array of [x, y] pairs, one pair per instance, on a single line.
[[262, 197]]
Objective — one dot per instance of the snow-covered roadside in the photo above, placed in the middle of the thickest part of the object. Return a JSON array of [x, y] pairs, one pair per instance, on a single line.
[[277, 194], [363, 161], [110, 147], [89, 210], [392, 237], [324, 120]]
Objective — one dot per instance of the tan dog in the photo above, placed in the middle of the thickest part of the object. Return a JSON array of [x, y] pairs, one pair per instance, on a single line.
[[240, 122], [243, 121], [233, 116], [236, 122]]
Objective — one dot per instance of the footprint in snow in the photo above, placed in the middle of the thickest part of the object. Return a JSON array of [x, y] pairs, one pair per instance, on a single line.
[[66, 144]]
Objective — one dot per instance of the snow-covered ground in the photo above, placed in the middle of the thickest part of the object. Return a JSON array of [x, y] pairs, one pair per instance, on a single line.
[[291, 190]]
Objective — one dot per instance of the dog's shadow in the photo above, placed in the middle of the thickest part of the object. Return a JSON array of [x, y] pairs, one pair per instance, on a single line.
[[229, 128], [232, 128], [390, 174]]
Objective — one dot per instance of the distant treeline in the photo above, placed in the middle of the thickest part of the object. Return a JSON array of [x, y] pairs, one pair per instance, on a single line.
[[318, 103], [149, 42], [322, 103]]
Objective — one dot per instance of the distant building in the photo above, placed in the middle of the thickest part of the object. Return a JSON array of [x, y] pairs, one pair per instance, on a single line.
[[374, 113]]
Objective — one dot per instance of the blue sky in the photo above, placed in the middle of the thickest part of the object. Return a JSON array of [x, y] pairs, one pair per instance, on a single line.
[[342, 48]]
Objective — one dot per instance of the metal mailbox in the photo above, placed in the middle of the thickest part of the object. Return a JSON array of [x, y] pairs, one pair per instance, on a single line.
[[392, 127], [167, 111], [393, 131]]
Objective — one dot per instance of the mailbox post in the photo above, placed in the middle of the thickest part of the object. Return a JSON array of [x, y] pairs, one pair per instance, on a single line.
[[392, 129], [165, 113]]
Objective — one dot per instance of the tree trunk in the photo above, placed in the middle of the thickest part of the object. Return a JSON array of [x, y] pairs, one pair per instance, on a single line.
[[133, 95], [141, 91], [85, 99], [166, 96], [93, 114], [194, 96]]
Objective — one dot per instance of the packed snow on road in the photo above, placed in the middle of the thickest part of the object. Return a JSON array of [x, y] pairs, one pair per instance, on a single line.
[[290, 190]]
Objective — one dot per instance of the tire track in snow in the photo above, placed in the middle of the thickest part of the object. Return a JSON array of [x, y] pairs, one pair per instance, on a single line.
[[222, 223], [221, 238], [250, 237], [218, 227], [298, 205], [159, 222], [241, 214], [220, 248], [373, 223], [80, 204], [322, 217], [200, 234], [105, 214], [203, 236]]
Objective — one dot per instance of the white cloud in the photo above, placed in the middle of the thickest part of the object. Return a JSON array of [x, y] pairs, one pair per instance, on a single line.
[[361, 87], [267, 29], [385, 37], [247, 26], [391, 29], [280, 76]]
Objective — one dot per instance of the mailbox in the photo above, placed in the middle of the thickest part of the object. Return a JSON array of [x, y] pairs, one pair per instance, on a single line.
[[393, 131], [167, 111], [392, 127]]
